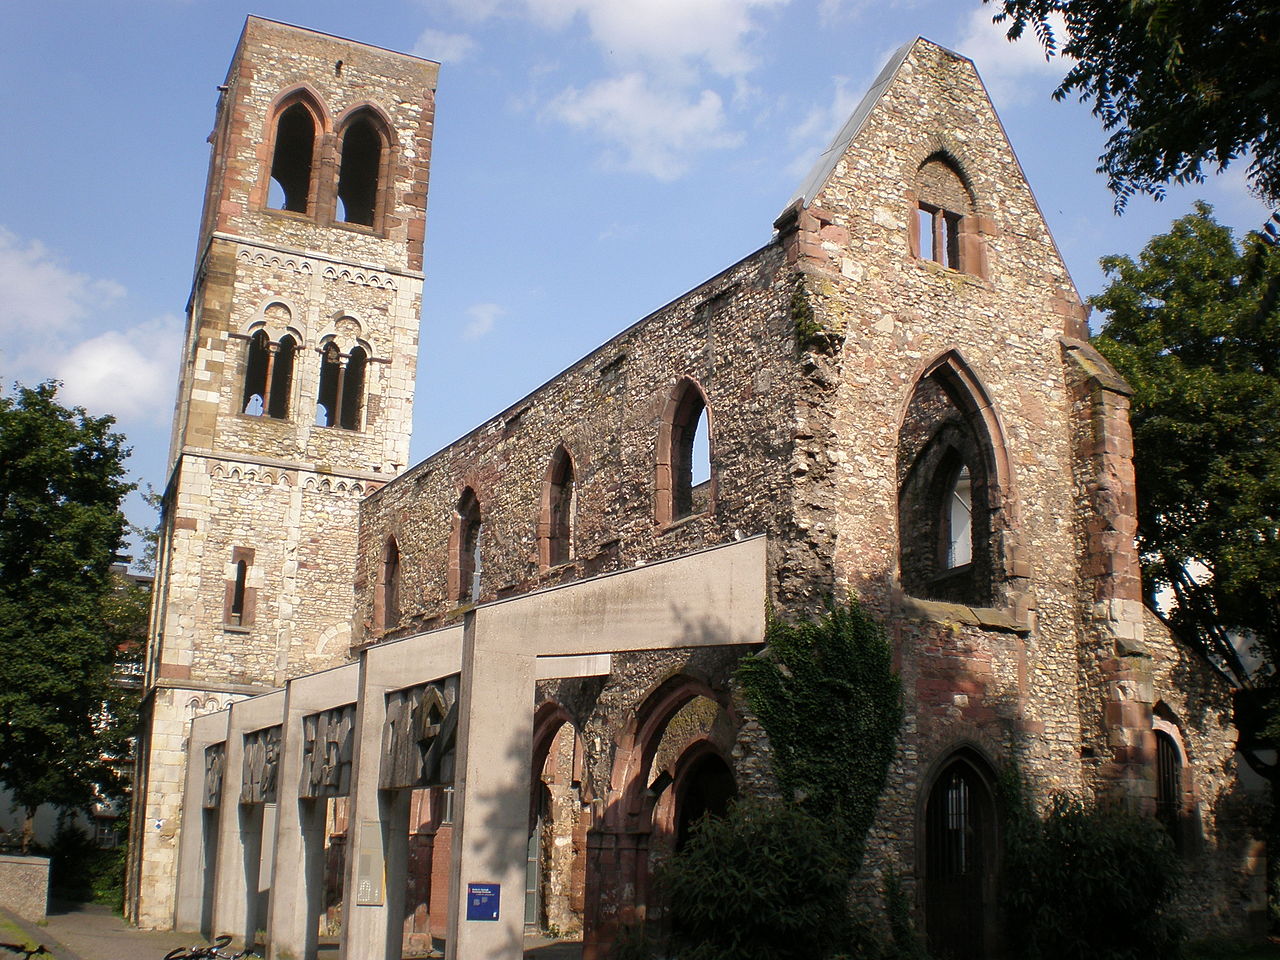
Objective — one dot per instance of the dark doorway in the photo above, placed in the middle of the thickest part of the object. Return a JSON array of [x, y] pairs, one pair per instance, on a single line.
[[960, 848], [705, 789]]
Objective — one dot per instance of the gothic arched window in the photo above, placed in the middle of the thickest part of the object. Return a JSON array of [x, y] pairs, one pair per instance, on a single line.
[[684, 475], [292, 159], [387, 601], [949, 529], [360, 170]]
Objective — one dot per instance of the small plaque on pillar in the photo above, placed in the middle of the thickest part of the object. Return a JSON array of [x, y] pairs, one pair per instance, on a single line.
[[483, 900], [369, 873]]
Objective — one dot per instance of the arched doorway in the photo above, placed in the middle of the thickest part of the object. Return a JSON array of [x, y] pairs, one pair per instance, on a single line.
[[704, 788], [961, 855]]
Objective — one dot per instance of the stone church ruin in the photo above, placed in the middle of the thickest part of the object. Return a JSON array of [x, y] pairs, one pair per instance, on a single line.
[[386, 702]]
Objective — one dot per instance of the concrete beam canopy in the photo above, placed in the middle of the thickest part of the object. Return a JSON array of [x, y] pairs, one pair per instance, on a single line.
[[711, 598]]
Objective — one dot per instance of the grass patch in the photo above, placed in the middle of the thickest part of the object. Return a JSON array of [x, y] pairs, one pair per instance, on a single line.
[[12, 933]]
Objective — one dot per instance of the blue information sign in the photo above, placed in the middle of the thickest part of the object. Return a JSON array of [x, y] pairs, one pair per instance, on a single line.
[[482, 900]]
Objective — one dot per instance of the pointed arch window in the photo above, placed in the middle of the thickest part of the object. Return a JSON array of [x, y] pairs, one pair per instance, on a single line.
[[340, 401], [268, 376], [469, 542], [950, 525], [292, 160], [559, 509], [387, 604], [360, 170], [685, 480]]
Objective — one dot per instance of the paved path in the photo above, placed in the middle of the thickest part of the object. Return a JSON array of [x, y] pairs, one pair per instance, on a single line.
[[93, 932]]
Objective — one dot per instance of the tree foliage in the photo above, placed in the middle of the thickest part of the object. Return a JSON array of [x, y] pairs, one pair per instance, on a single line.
[[61, 618], [1193, 324], [1179, 84], [1092, 882]]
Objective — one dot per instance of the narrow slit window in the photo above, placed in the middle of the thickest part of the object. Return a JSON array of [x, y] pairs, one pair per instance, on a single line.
[[255, 375], [470, 542], [388, 612], [562, 505], [281, 378], [237, 594], [291, 162], [358, 175]]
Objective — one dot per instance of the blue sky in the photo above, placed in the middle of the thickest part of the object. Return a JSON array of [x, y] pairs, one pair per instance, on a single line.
[[593, 160]]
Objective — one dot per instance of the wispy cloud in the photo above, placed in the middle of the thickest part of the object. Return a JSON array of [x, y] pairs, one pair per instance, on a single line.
[[674, 64], [647, 130], [1013, 72], [40, 294], [444, 47], [127, 373], [482, 318], [815, 130]]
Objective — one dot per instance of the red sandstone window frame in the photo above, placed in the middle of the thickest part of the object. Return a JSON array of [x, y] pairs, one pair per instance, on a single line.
[[386, 604], [466, 543], [240, 601], [558, 516], [378, 124], [675, 498], [307, 99]]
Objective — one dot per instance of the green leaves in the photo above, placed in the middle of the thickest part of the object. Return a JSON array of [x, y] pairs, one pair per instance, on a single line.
[[1092, 883], [829, 699], [1181, 84], [61, 483], [1193, 325]]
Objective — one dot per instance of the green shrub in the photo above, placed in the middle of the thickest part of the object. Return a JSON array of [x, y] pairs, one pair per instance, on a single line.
[[763, 881], [1090, 881]]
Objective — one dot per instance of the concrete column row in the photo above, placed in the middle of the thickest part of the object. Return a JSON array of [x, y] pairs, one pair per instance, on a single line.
[[234, 853]]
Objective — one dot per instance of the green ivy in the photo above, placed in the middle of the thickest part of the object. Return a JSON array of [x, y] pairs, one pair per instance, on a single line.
[[828, 697], [809, 332]]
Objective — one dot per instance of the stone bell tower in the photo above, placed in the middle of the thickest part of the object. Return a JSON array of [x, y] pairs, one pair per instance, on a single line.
[[296, 390]]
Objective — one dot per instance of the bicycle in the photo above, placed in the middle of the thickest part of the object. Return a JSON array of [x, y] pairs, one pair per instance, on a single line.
[[211, 952]]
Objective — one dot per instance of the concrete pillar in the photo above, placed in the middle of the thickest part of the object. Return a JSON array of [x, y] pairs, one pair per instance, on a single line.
[[491, 792], [369, 929], [196, 855], [239, 826], [298, 886]]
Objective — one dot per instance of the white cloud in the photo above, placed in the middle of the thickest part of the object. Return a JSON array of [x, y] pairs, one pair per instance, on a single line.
[[444, 47], [673, 33], [483, 316], [39, 294], [52, 326], [647, 130], [816, 129], [127, 373], [1013, 72]]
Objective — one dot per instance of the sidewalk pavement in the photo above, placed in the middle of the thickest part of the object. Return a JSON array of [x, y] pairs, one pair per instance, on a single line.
[[87, 931]]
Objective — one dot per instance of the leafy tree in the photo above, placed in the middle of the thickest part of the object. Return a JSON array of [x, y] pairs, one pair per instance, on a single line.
[[61, 483], [1179, 84], [1193, 325]]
